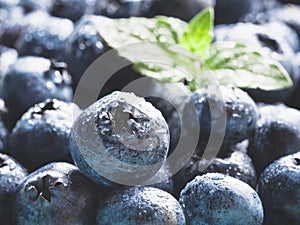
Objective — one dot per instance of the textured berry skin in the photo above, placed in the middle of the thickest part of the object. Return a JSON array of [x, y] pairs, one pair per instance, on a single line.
[[293, 100], [16, 22], [240, 109], [31, 80], [83, 46], [290, 1], [46, 40], [71, 9], [140, 206], [11, 174], [276, 135], [279, 189], [118, 137], [231, 11], [237, 164], [55, 194], [120, 9], [8, 3], [241, 116], [219, 199], [42, 134], [11, 24], [288, 14], [32, 5], [176, 8]]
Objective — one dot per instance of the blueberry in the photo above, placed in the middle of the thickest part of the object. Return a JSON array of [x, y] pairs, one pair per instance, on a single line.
[[7, 57], [8, 3], [279, 189], [55, 194], [288, 14], [266, 39], [71, 9], [118, 139], [231, 11], [290, 1], [47, 39], [219, 199], [293, 99], [12, 22], [287, 34], [276, 135], [236, 105], [184, 10], [32, 5], [42, 134], [83, 46], [31, 80], [11, 175], [120, 8], [140, 206], [237, 164]]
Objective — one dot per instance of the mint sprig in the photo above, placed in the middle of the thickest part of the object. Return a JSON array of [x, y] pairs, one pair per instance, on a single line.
[[242, 66], [200, 33], [171, 50]]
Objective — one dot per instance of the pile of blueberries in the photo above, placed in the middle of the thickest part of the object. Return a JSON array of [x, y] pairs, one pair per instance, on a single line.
[[49, 164]]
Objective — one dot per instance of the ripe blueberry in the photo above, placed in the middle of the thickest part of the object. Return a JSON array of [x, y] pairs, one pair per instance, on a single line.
[[279, 189], [42, 134], [118, 138], [55, 194], [141, 206], [219, 199]]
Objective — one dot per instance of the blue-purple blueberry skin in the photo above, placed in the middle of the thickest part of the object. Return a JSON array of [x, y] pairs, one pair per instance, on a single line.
[[15, 22], [42, 135], [121, 9], [232, 11], [83, 46], [279, 190], [32, 5], [237, 164], [214, 199], [47, 39], [11, 175], [184, 10], [8, 3], [56, 194], [241, 116], [277, 134], [31, 80], [131, 131], [140, 206], [71, 9], [288, 14]]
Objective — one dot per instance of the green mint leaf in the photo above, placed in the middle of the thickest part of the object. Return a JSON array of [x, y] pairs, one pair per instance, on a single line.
[[239, 65], [162, 61], [150, 44], [120, 32], [200, 32]]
